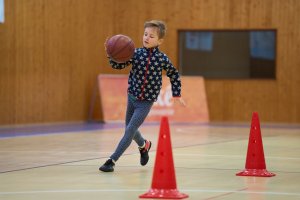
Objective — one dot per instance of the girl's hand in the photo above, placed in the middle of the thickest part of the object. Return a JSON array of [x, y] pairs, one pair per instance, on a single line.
[[179, 100]]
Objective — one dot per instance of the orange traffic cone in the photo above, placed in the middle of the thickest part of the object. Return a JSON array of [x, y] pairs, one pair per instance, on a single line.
[[255, 162], [164, 180]]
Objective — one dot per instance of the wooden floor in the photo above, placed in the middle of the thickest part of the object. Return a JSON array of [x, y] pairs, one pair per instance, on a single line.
[[64, 165]]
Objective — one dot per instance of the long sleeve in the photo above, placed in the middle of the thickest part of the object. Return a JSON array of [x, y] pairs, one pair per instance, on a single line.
[[116, 65], [174, 77]]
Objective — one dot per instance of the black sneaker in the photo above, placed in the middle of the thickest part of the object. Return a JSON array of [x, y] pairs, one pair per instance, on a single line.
[[108, 166], [144, 153]]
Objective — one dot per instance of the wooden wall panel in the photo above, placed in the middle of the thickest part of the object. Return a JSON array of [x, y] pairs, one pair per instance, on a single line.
[[52, 51]]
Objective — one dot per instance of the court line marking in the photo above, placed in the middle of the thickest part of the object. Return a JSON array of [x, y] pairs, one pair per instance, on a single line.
[[56, 152], [225, 194], [125, 154], [74, 161], [45, 129], [237, 156], [143, 190], [174, 154]]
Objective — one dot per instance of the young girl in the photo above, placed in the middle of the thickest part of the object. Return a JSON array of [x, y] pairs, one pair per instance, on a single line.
[[145, 82]]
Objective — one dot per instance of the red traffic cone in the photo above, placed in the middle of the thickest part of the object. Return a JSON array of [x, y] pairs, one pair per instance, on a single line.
[[164, 180], [255, 162]]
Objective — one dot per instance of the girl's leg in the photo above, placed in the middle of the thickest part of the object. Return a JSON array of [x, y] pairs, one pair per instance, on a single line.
[[129, 110], [138, 138], [141, 110]]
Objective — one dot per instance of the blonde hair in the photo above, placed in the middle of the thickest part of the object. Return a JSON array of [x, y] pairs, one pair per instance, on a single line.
[[160, 25]]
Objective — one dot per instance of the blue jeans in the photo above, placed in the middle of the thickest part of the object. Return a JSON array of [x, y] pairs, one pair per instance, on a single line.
[[136, 113]]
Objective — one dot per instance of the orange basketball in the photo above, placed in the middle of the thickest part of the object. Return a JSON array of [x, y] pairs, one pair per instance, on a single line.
[[120, 48]]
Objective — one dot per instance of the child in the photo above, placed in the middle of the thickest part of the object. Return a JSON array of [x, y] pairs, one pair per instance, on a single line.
[[144, 84]]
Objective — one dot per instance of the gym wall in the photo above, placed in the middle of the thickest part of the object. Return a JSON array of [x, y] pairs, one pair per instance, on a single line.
[[52, 51]]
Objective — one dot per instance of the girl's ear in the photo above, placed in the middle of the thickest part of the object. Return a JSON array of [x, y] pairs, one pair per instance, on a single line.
[[160, 41]]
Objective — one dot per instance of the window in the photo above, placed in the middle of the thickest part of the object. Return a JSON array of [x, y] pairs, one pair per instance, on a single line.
[[228, 54], [1, 11]]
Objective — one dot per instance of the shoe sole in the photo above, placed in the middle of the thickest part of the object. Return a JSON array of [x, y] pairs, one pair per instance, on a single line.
[[106, 170]]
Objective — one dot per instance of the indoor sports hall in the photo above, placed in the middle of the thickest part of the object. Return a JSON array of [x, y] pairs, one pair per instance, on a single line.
[[227, 129]]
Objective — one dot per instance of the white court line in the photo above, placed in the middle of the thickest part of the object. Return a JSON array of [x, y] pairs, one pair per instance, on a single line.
[[57, 152], [140, 190], [176, 154], [237, 156]]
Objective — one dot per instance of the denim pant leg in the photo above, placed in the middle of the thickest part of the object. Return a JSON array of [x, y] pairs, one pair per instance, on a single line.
[[136, 113], [138, 138]]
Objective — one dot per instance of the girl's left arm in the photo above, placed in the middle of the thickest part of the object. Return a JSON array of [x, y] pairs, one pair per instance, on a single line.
[[174, 77], [175, 80]]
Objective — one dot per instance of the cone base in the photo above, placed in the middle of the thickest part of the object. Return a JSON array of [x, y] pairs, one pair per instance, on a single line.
[[164, 194], [255, 172]]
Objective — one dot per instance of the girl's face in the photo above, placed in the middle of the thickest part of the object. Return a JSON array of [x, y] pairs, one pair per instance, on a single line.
[[150, 38]]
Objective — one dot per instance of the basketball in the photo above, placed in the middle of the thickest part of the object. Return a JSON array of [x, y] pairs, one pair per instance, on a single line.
[[120, 48]]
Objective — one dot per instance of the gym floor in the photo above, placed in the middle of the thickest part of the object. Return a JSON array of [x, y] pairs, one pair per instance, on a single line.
[[61, 162]]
